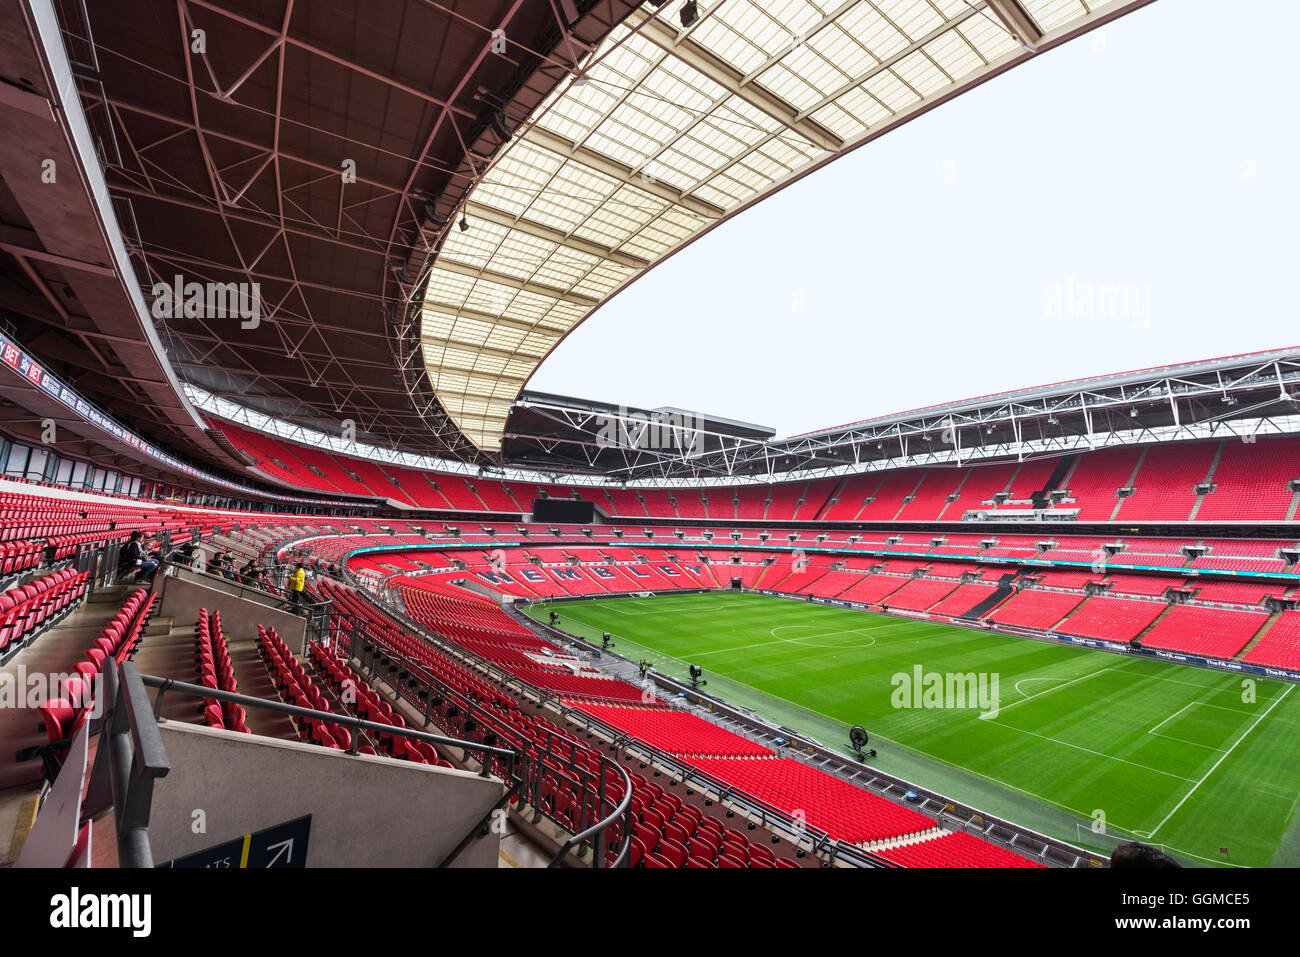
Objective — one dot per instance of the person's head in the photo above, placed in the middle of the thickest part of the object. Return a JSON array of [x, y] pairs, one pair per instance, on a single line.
[[299, 565], [1136, 854], [136, 536]]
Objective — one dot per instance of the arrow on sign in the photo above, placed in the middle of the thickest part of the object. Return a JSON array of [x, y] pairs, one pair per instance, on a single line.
[[285, 847]]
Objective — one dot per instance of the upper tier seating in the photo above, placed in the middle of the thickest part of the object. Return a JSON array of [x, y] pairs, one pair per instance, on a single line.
[[1253, 479], [1165, 487], [1249, 483]]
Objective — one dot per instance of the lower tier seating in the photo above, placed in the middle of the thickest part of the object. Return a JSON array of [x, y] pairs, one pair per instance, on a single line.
[[841, 809], [955, 849], [675, 732]]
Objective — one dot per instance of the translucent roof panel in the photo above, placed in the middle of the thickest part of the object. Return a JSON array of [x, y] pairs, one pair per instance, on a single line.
[[668, 130]]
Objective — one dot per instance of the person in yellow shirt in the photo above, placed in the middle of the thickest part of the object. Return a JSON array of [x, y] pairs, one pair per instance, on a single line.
[[297, 581]]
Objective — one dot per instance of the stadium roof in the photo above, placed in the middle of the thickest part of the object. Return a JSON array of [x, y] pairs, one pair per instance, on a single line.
[[1245, 395], [579, 143], [302, 146], [670, 126]]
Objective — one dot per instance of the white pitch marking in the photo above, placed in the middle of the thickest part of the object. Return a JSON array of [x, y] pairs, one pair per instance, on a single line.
[[987, 714], [1222, 757]]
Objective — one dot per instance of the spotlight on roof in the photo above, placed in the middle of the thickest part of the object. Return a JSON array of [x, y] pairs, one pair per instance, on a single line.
[[1132, 413], [1229, 400], [1052, 420], [690, 13], [464, 224], [499, 124]]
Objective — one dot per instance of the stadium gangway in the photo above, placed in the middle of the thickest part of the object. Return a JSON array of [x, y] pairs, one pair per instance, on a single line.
[[960, 816], [354, 637], [508, 760]]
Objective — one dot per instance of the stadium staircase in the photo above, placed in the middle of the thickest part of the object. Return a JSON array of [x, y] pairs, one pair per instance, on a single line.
[[832, 497], [1208, 481], [1259, 635], [1132, 481], [992, 601], [54, 652], [1041, 498], [1143, 633], [169, 652]]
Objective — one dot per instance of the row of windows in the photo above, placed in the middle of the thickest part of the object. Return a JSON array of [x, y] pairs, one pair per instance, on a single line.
[[41, 465]]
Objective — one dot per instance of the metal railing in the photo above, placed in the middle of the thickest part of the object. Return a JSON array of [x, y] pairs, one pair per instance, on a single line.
[[555, 783], [316, 612], [130, 757], [504, 761]]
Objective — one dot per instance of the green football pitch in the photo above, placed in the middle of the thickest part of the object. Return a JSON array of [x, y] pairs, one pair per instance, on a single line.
[[1091, 747]]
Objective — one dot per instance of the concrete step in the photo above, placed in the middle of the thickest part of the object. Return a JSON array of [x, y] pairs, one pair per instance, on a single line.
[[1259, 635], [51, 654]]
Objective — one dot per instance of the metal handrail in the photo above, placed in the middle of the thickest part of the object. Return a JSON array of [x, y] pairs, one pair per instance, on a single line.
[[328, 717], [263, 588], [600, 826], [598, 829], [129, 759]]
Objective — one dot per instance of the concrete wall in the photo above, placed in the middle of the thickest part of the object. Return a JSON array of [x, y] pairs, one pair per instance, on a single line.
[[366, 811], [184, 592]]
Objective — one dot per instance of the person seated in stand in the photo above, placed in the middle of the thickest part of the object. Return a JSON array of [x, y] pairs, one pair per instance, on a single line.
[[135, 558]]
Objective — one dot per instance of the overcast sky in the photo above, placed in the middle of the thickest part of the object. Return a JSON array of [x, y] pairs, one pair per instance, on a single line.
[[1127, 200]]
